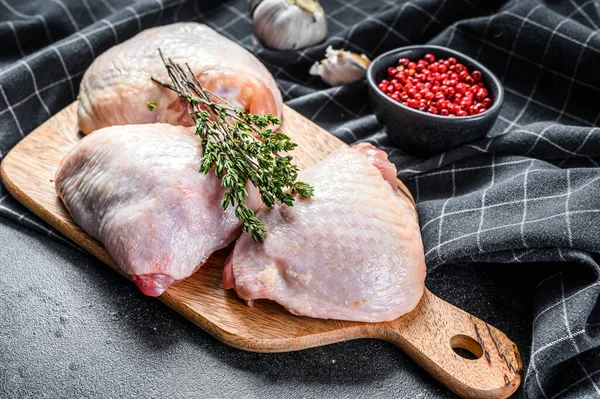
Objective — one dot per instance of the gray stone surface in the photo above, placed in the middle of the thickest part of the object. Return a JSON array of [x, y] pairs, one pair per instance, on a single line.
[[72, 327]]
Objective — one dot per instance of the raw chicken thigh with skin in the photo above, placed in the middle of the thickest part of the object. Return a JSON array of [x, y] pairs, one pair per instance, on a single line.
[[116, 88], [352, 252], [137, 189]]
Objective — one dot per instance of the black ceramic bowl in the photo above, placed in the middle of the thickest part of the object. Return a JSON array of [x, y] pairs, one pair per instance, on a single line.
[[420, 133]]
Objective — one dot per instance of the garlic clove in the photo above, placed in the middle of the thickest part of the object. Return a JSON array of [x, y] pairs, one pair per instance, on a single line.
[[288, 24], [340, 67]]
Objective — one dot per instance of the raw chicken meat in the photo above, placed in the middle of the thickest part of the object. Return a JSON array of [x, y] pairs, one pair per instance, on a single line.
[[352, 252], [116, 88], [137, 189]]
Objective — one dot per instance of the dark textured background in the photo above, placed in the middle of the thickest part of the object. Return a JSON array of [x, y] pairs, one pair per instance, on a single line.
[[509, 222], [72, 327]]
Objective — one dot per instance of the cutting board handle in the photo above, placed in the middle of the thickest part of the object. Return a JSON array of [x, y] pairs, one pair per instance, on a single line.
[[430, 332]]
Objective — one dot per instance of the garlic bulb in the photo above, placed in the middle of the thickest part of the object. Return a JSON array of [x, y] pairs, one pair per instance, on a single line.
[[288, 24], [340, 67]]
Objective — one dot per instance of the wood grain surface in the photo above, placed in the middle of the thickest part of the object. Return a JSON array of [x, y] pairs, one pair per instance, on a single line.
[[428, 334]]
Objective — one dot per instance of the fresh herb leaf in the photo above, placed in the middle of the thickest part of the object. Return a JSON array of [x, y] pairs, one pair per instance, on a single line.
[[232, 149], [151, 105]]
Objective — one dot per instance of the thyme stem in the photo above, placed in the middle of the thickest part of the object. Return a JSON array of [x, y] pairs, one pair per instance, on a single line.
[[239, 148]]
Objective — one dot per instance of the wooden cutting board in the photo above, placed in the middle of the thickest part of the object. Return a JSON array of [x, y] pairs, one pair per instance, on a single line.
[[428, 334]]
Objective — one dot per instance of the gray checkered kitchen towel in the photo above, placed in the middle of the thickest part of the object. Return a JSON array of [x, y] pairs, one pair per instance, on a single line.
[[528, 193]]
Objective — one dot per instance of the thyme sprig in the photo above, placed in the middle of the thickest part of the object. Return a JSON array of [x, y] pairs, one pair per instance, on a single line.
[[231, 149]]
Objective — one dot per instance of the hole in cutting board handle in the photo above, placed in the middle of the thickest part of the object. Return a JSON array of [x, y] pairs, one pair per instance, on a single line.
[[466, 347]]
